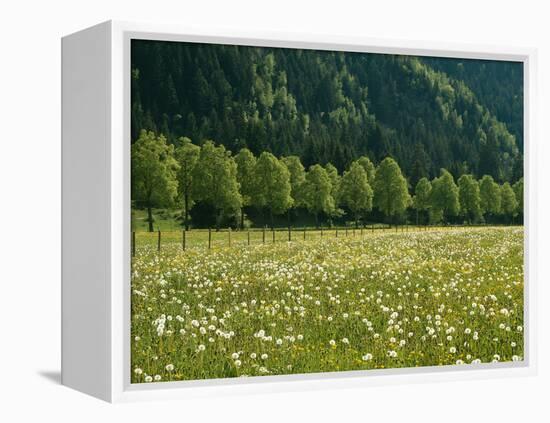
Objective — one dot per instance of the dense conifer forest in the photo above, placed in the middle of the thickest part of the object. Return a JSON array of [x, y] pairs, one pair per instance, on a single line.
[[333, 107]]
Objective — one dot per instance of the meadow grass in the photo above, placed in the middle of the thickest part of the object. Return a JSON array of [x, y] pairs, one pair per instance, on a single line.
[[380, 300]]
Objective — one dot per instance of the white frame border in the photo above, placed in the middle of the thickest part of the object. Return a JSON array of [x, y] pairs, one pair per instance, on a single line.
[[119, 286]]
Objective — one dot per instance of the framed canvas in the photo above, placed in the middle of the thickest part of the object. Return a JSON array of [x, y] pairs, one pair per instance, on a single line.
[[267, 212]]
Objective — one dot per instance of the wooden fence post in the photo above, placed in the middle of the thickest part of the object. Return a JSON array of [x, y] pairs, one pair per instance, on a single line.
[[229, 235], [346, 231], [209, 238], [273, 232], [248, 236], [133, 244], [289, 235], [158, 243], [304, 234], [321, 231], [336, 232], [183, 239], [263, 234]]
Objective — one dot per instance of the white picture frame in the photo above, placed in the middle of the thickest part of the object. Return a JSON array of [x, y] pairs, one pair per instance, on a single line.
[[96, 213]]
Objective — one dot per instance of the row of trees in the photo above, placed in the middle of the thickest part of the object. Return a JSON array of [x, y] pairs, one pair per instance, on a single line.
[[164, 176]]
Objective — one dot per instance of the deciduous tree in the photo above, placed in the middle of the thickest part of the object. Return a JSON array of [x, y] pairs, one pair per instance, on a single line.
[[215, 177], [421, 200], [355, 191], [508, 204], [391, 194], [272, 185], [518, 190], [444, 195], [187, 155], [468, 192], [489, 192], [246, 163], [297, 180], [318, 192], [365, 162], [154, 170]]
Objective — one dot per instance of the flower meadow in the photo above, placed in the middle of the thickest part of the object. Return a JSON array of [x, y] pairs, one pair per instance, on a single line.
[[380, 300]]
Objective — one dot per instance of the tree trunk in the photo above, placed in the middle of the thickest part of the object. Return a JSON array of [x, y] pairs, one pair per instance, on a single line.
[[186, 218], [150, 217]]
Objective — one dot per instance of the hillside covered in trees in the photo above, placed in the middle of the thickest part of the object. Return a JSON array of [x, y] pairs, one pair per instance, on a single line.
[[333, 107]]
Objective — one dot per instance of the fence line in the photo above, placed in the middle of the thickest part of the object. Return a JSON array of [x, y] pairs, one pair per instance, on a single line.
[[293, 233]]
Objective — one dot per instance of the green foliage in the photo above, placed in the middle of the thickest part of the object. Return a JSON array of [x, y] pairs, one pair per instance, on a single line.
[[518, 190], [334, 106], [422, 194], [421, 199], [509, 204], [468, 190], [272, 185], [332, 173], [365, 162], [489, 192], [215, 176], [154, 169], [391, 195], [297, 179], [444, 195], [355, 191], [246, 176], [318, 192], [187, 155]]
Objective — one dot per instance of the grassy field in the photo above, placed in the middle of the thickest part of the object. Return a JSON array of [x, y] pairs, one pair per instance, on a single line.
[[377, 300]]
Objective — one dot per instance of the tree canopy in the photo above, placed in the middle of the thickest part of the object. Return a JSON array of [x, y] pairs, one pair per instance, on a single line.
[[355, 191], [391, 194], [154, 169]]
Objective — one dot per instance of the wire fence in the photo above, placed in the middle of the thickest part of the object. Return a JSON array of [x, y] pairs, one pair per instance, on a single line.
[[227, 237]]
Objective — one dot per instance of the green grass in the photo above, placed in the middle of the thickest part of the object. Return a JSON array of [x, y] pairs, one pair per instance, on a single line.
[[380, 300]]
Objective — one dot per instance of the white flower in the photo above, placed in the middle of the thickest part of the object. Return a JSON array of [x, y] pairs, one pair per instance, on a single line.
[[345, 340], [332, 342], [235, 355], [138, 371], [148, 379], [264, 356], [238, 363], [158, 378], [201, 347], [367, 357], [452, 350], [392, 354], [253, 356], [169, 367], [279, 341]]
